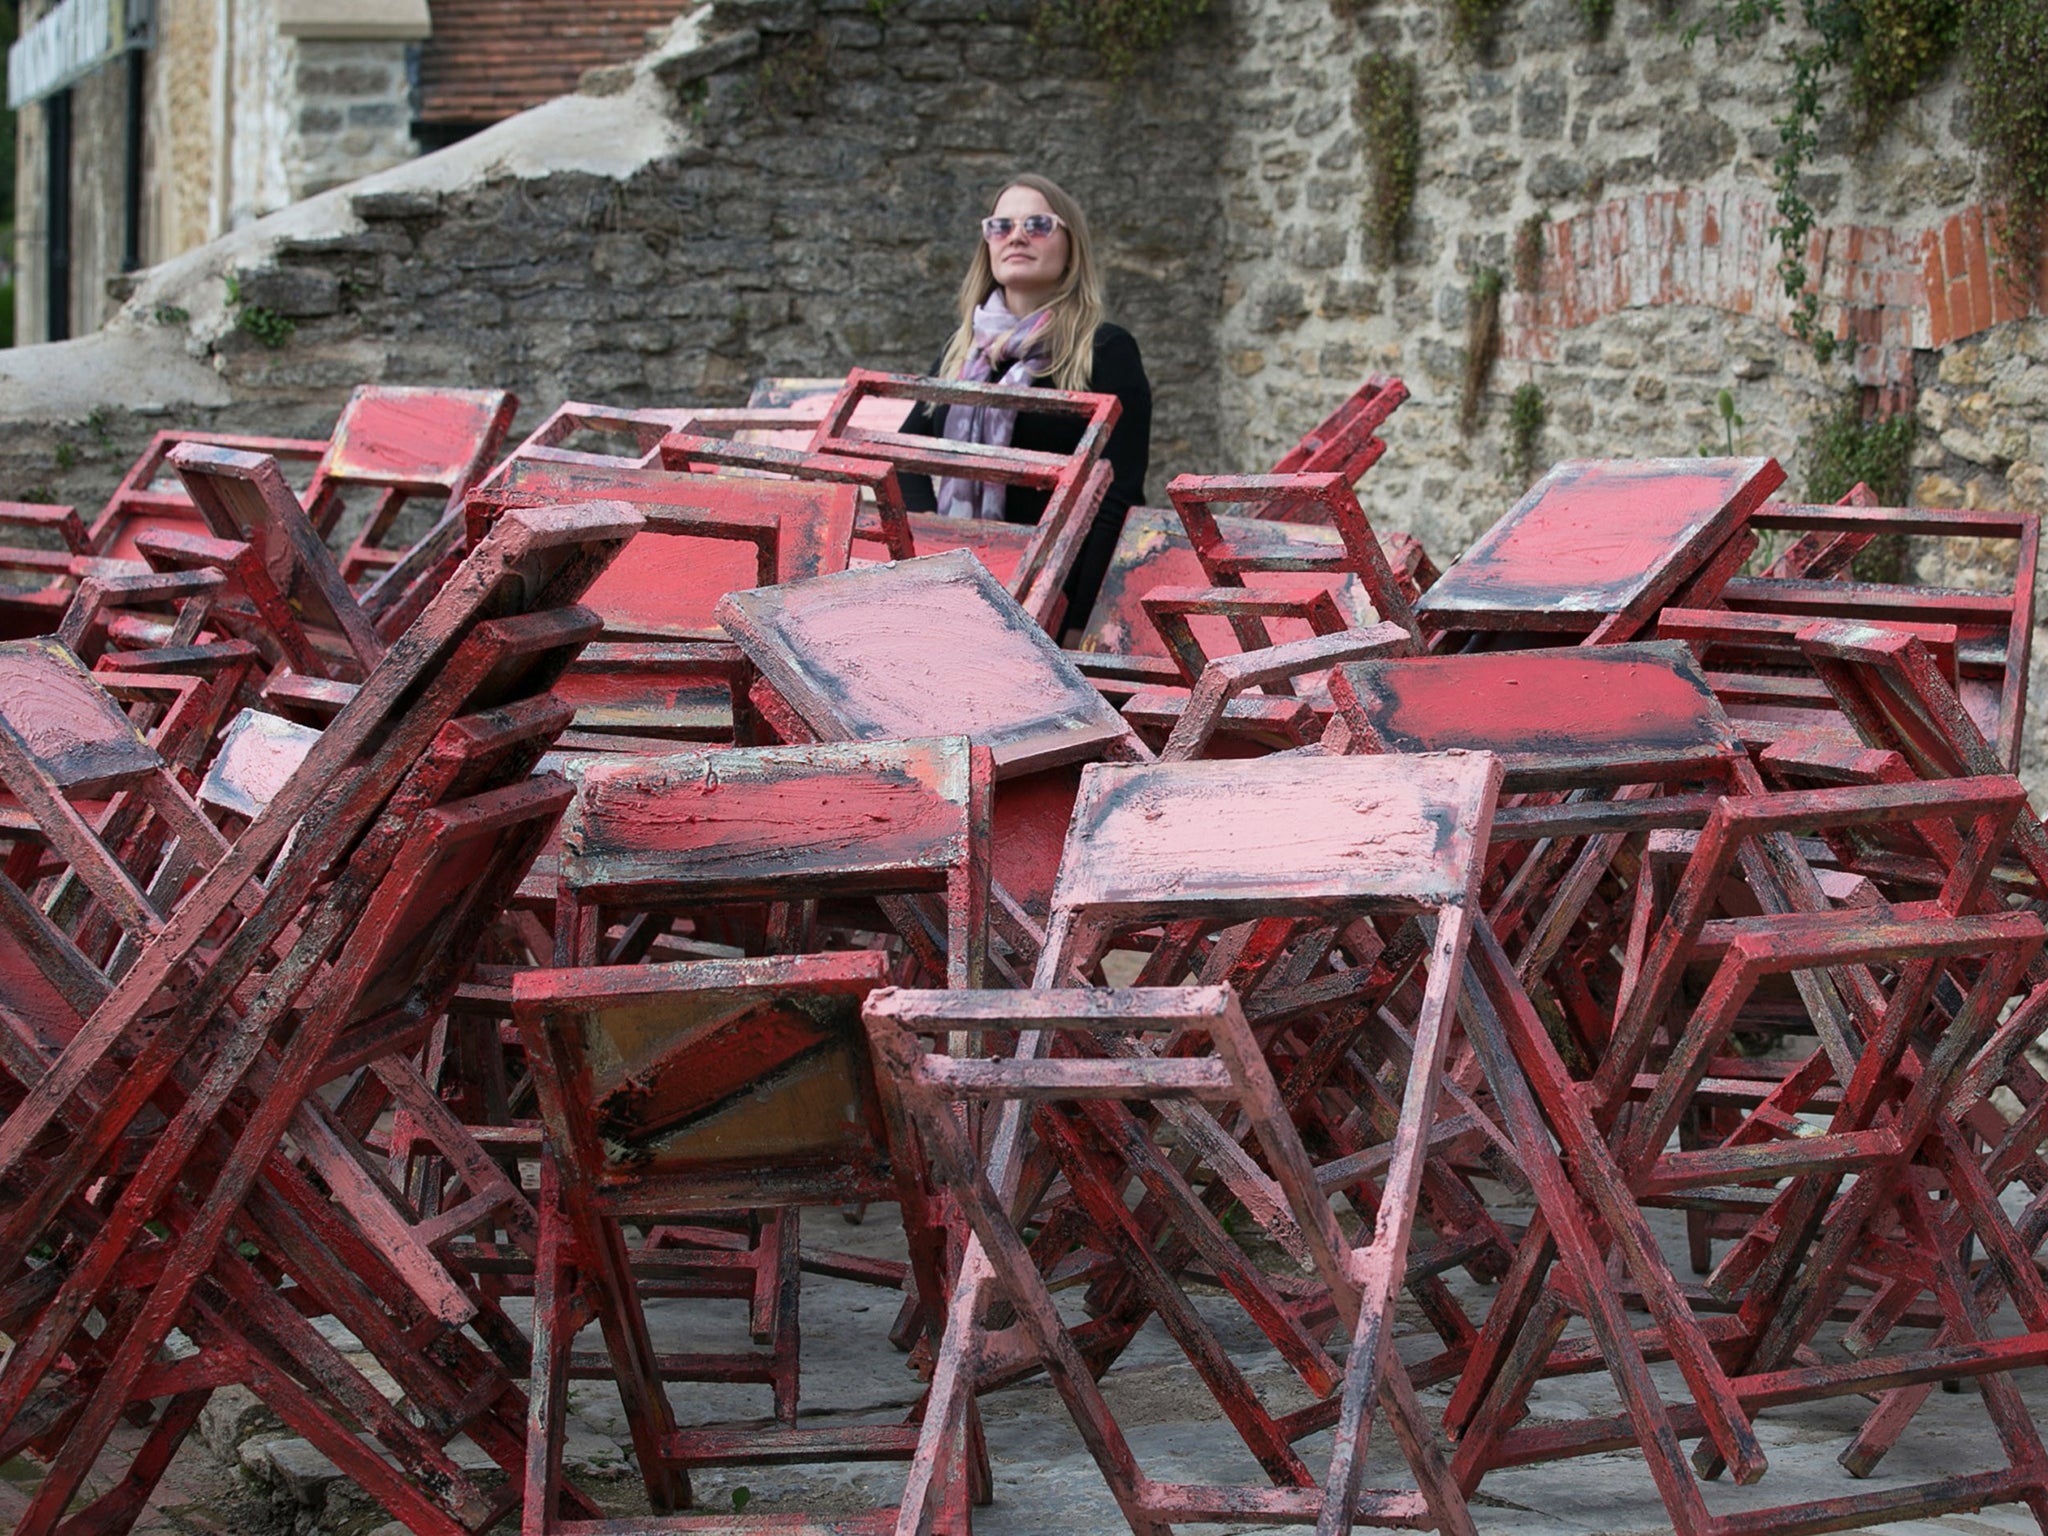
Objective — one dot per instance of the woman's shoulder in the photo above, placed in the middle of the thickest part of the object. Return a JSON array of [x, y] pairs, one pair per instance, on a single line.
[[1118, 369], [1110, 336]]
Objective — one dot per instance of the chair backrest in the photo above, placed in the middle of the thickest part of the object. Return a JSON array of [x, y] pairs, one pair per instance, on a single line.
[[695, 830], [63, 741], [418, 933], [926, 647], [1320, 498], [1074, 483], [1344, 442], [1820, 552], [1994, 625], [775, 823], [838, 433], [1596, 546], [1154, 551], [258, 753], [243, 497], [710, 1084], [809, 400], [416, 440], [1892, 689], [717, 516], [653, 696], [59, 728], [403, 444], [573, 419], [149, 496], [699, 449], [1633, 713], [149, 608], [1897, 699]]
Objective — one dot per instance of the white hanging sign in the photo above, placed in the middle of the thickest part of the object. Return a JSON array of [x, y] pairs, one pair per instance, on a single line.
[[68, 44]]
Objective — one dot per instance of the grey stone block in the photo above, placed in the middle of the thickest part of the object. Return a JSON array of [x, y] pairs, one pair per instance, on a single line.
[[764, 15], [1693, 146], [300, 292], [723, 53], [1541, 105], [349, 80], [398, 203]]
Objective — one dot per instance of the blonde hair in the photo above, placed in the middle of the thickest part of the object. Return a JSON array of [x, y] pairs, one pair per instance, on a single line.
[[1076, 305]]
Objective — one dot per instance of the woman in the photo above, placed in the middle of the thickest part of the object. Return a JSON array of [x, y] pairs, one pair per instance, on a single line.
[[1031, 313]]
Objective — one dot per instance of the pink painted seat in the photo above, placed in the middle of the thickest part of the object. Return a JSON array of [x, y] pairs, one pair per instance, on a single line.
[[1595, 548], [395, 444]]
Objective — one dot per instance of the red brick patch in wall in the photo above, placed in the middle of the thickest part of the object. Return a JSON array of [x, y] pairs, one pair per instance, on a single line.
[[1885, 291]]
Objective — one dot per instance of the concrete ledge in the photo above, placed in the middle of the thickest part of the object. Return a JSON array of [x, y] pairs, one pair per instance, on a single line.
[[355, 20]]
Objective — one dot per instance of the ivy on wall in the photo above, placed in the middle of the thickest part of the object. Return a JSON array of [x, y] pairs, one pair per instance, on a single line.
[[1888, 50], [1482, 344], [1385, 108], [1527, 414], [1475, 23], [1528, 259], [1123, 33], [2005, 60], [1847, 449], [1830, 30], [1902, 44]]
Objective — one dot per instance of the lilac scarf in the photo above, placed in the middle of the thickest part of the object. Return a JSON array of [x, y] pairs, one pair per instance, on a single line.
[[1001, 340]]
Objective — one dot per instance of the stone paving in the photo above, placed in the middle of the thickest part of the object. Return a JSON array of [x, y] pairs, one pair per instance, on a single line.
[[244, 1473]]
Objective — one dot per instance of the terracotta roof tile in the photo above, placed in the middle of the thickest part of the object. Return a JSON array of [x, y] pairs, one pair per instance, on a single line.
[[488, 59]]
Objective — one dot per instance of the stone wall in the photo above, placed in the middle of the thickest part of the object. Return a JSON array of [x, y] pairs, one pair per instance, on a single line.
[[354, 112], [1647, 166]]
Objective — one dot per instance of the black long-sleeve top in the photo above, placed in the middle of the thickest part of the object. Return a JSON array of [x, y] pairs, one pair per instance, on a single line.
[[1118, 371]]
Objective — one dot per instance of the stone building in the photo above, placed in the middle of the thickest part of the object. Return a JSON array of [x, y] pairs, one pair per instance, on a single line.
[[149, 127]]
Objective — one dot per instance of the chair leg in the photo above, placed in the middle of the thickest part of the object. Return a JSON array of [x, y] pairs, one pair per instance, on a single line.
[[786, 1275], [554, 1333]]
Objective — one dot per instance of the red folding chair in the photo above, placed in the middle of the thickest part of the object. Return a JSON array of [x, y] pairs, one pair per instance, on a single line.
[[150, 495], [1074, 483], [935, 646], [1209, 848], [273, 553], [1595, 548], [1868, 978], [399, 444], [1346, 442], [1993, 628], [408, 938], [1112, 1065], [534, 561], [89, 792], [670, 1091]]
